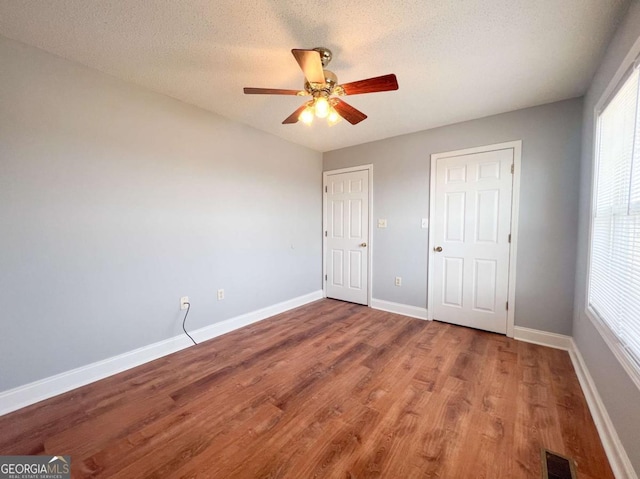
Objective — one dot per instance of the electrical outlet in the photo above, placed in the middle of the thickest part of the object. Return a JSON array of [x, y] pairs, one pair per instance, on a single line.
[[220, 294], [398, 281], [382, 223], [183, 302]]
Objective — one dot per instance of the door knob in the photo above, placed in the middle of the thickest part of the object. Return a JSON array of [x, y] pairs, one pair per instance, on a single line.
[[437, 249], [364, 245]]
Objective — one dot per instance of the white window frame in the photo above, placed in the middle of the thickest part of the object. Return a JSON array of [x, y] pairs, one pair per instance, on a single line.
[[617, 348]]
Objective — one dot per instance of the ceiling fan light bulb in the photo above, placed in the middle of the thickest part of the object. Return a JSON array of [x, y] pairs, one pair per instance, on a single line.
[[333, 117], [322, 107], [306, 116]]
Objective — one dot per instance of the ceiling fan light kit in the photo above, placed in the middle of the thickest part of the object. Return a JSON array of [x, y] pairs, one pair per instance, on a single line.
[[323, 86]]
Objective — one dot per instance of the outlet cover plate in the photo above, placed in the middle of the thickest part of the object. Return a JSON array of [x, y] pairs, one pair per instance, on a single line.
[[183, 302]]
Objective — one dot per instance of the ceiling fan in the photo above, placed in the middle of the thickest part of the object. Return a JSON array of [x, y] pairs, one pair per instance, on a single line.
[[322, 86]]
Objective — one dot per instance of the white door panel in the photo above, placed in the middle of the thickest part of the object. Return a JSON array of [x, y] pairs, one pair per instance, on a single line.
[[347, 236], [472, 222]]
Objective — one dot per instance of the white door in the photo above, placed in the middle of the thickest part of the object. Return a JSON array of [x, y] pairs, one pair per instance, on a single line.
[[471, 236], [347, 235]]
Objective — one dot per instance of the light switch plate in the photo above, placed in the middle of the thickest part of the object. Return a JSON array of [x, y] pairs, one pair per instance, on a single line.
[[382, 223], [425, 222]]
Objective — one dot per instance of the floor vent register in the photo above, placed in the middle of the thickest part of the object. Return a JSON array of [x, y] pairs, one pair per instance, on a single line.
[[556, 466]]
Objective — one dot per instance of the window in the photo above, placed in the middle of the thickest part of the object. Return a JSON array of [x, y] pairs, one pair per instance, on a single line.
[[614, 274]]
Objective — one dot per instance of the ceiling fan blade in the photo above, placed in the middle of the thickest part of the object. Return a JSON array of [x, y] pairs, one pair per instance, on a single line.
[[371, 85], [348, 112], [310, 63], [269, 91], [293, 118]]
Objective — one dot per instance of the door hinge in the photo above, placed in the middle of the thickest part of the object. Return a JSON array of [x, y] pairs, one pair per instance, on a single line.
[[325, 188], [509, 237], [512, 168], [507, 305], [325, 277], [325, 234]]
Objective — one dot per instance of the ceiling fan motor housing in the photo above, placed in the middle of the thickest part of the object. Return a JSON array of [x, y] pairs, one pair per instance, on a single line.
[[326, 88]]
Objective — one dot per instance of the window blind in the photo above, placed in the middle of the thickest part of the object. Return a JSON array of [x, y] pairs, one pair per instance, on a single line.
[[614, 280]]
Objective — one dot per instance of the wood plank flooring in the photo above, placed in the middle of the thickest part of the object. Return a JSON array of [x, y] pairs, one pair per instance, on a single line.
[[329, 390]]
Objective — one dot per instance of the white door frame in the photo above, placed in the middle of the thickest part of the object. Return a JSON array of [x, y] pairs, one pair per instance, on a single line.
[[325, 175], [516, 146]]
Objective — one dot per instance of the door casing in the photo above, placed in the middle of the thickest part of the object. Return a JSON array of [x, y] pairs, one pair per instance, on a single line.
[[515, 207], [325, 175]]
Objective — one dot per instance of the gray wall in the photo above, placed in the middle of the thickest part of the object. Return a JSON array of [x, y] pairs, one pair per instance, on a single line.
[[115, 201], [620, 396], [548, 206]]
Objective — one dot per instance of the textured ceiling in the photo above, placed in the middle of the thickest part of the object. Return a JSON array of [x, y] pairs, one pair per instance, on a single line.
[[455, 60]]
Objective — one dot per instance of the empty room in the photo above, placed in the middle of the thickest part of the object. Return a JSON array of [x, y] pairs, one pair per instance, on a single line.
[[277, 239]]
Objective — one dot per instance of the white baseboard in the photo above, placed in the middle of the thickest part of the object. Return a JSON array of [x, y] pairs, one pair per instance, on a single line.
[[36, 391], [543, 338], [398, 308], [618, 458]]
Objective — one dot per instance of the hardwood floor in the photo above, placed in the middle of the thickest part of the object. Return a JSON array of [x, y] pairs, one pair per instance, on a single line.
[[330, 390]]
